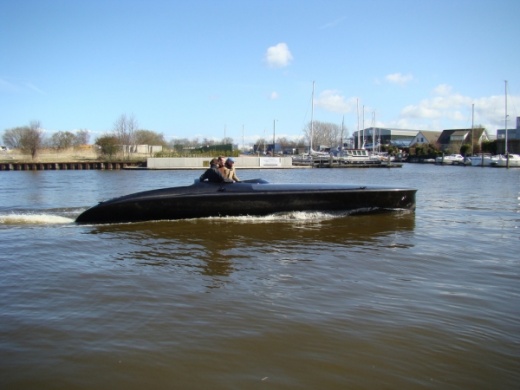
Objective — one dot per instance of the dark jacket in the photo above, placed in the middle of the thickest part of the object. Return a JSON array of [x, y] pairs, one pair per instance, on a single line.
[[213, 175]]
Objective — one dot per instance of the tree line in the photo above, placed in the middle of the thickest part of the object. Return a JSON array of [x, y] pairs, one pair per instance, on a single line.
[[31, 139]]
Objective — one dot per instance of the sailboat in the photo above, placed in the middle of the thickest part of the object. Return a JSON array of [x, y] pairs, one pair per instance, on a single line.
[[313, 152], [308, 158], [485, 159], [509, 159]]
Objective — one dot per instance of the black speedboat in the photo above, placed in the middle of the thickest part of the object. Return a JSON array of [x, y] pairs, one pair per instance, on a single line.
[[250, 197]]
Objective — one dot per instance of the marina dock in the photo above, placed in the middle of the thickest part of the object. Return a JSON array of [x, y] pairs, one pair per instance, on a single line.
[[64, 166]]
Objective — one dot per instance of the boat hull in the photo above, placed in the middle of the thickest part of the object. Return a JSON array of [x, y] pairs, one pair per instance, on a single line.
[[502, 161], [476, 161], [452, 159], [246, 198]]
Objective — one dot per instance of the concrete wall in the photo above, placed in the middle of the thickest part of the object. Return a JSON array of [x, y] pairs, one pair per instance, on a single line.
[[203, 162]]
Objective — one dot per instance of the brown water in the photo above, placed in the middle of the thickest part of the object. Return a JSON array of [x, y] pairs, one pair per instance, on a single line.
[[403, 300]]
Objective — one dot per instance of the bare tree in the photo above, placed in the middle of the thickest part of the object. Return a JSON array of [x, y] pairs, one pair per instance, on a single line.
[[148, 137], [194, 142], [34, 138], [226, 140], [124, 131], [300, 143], [62, 140], [291, 145], [125, 128], [178, 143], [284, 143], [81, 138], [29, 139], [205, 142], [261, 145], [323, 133], [13, 137]]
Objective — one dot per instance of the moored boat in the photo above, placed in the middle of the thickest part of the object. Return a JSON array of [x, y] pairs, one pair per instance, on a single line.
[[302, 159], [349, 157], [502, 161], [358, 156], [452, 159], [485, 160], [250, 197]]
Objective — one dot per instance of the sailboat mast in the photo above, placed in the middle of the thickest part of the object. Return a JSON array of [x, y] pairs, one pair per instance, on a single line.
[[342, 125], [472, 124], [312, 117], [505, 120], [364, 139], [358, 132]]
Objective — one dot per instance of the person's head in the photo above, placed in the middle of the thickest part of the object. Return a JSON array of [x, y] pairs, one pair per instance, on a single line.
[[213, 162], [220, 161], [230, 162]]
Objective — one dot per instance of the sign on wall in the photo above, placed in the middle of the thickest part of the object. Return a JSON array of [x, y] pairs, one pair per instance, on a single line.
[[270, 162]]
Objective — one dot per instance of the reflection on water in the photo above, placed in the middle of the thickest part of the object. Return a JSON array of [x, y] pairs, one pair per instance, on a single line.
[[210, 245]]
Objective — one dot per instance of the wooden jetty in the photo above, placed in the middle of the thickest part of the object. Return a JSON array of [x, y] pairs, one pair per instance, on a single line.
[[329, 162], [63, 166]]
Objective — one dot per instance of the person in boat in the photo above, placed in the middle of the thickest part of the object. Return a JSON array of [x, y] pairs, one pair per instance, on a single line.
[[231, 172], [222, 166], [213, 175]]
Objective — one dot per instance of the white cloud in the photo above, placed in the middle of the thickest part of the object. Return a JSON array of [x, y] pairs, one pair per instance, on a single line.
[[278, 56], [452, 110], [442, 89], [273, 95], [399, 78], [333, 101], [444, 109], [422, 110]]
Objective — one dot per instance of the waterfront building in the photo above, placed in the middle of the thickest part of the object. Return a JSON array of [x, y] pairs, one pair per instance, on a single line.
[[425, 137], [372, 137], [513, 138], [450, 141], [513, 133]]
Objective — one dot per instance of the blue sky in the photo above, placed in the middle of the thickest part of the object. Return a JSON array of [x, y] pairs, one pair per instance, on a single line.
[[209, 68]]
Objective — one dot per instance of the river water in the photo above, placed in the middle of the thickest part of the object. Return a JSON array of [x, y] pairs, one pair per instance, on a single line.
[[404, 300]]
